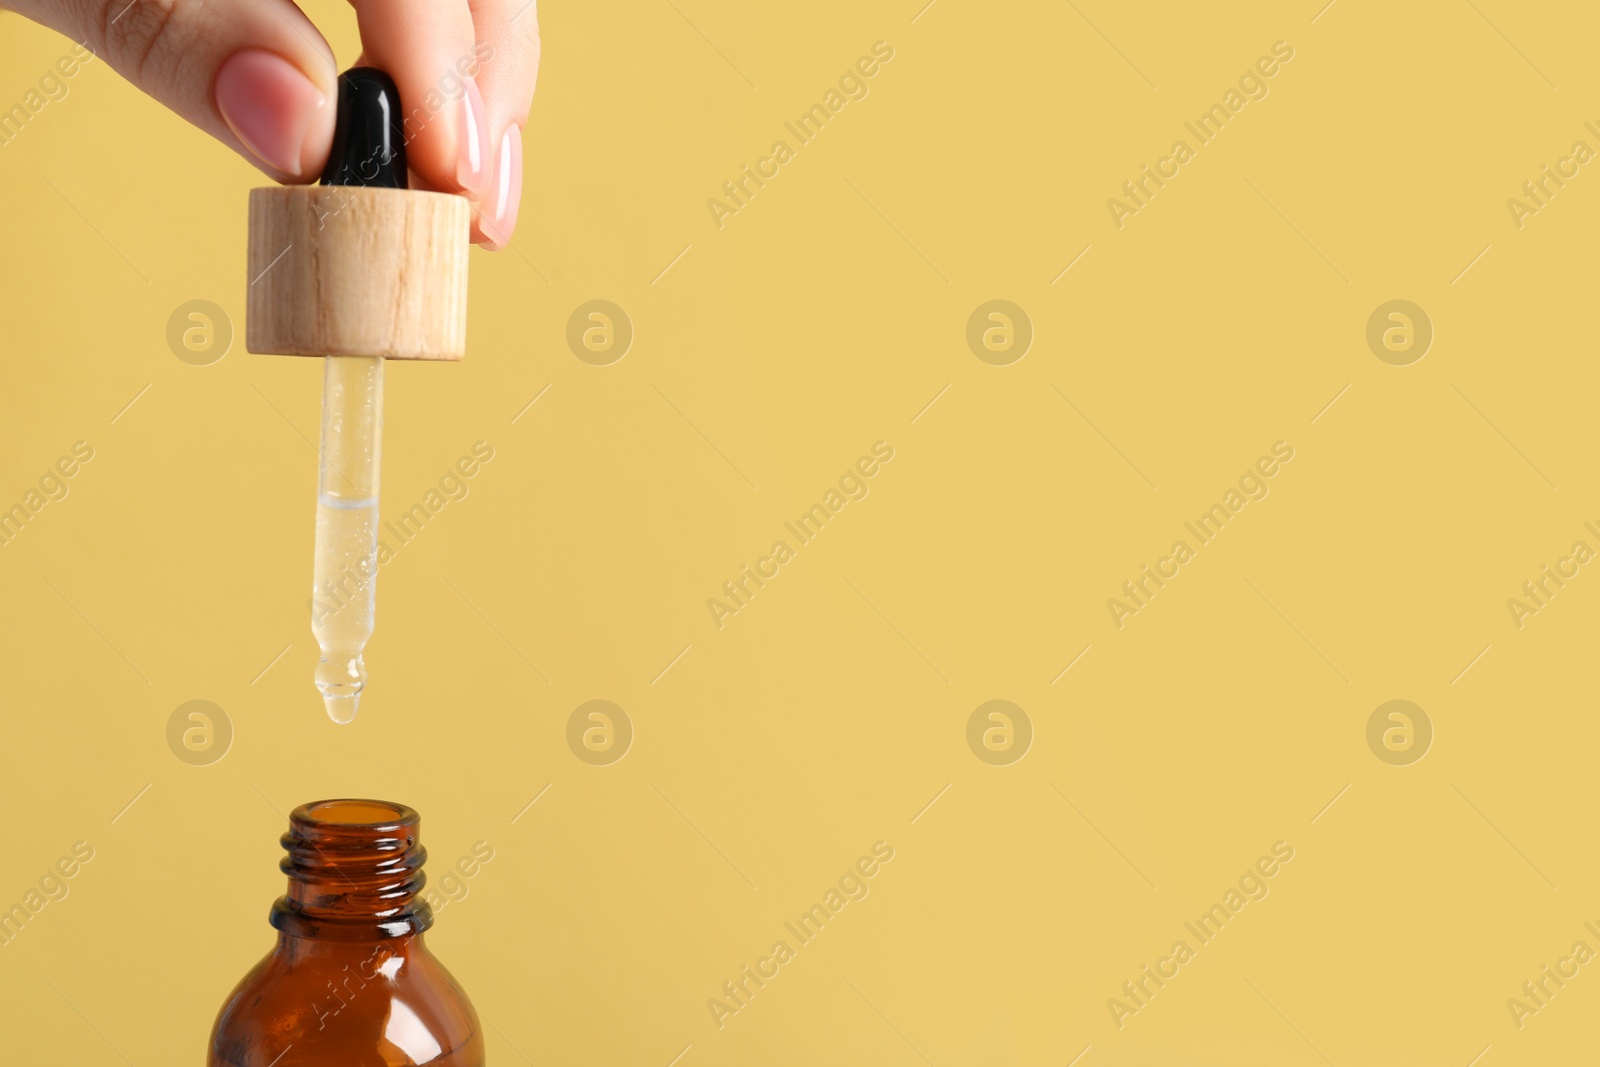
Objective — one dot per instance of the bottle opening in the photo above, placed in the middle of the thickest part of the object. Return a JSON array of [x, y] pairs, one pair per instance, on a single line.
[[356, 812]]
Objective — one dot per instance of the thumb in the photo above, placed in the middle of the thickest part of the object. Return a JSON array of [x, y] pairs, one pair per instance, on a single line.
[[255, 74]]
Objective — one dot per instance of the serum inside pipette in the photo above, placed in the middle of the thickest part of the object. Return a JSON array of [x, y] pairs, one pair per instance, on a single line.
[[345, 567]]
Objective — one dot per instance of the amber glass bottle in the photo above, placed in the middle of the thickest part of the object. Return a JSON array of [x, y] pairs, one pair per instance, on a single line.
[[350, 982]]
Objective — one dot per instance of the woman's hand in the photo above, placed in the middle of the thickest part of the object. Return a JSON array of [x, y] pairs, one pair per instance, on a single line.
[[258, 76]]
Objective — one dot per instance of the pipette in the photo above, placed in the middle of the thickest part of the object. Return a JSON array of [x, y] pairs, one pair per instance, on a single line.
[[358, 270], [345, 565]]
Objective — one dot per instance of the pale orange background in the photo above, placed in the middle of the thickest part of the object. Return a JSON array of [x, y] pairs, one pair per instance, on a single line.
[[768, 355]]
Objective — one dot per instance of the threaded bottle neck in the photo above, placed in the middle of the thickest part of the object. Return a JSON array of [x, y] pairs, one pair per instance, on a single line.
[[355, 872]]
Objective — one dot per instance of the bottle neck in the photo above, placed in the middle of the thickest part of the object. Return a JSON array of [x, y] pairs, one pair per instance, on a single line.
[[355, 872]]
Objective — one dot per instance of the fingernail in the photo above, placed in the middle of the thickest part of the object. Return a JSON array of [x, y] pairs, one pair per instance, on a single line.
[[498, 216], [472, 166], [269, 105]]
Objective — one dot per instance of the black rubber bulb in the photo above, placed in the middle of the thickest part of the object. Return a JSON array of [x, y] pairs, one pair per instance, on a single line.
[[369, 145]]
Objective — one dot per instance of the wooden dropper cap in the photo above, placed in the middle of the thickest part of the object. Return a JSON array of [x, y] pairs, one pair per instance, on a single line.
[[359, 265]]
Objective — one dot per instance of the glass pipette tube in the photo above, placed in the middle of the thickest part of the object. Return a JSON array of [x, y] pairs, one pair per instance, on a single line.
[[345, 567]]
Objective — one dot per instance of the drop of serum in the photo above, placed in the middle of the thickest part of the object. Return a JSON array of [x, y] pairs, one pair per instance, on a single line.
[[341, 680]]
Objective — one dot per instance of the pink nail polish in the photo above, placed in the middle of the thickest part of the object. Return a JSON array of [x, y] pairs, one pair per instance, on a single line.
[[269, 105], [498, 215], [472, 142]]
